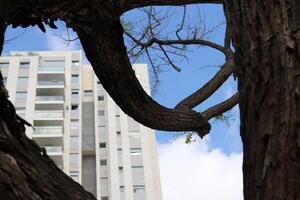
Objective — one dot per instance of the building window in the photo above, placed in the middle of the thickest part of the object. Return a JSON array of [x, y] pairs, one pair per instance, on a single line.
[[120, 168], [103, 162], [4, 65], [23, 81], [98, 82], [24, 64], [21, 96], [118, 132], [74, 175], [4, 80], [135, 151], [74, 125], [75, 78], [122, 188], [100, 98], [88, 92], [137, 167], [100, 112], [102, 145], [74, 107], [138, 188], [104, 198], [75, 62], [75, 93]]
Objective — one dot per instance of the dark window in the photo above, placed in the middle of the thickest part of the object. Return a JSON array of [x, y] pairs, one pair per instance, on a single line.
[[137, 166], [4, 64], [24, 64], [104, 198], [103, 162], [121, 168], [119, 132], [100, 98], [75, 78], [74, 107], [88, 92], [138, 188], [75, 91], [102, 145], [75, 62]]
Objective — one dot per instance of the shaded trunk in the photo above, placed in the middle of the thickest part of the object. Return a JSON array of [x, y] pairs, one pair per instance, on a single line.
[[266, 36]]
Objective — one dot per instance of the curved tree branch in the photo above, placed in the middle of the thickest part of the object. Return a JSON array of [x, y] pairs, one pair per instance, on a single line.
[[221, 108], [209, 88], [104, 47]]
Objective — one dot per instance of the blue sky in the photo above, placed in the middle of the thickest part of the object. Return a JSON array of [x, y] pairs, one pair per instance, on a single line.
[[223, 142]]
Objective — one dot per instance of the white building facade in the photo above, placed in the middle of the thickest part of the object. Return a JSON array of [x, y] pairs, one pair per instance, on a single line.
[[81, 127]]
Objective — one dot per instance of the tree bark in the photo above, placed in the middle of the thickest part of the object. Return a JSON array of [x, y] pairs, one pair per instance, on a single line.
[[26, 171], [266, 37]]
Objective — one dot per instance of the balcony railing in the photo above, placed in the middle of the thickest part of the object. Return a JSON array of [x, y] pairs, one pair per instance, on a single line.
[[48, 130], [50, 83], [53, 149], [49, 98], [51, 69], [49, 114]]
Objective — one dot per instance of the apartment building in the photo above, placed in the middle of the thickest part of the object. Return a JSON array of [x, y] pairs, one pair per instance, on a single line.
[[80, 126]]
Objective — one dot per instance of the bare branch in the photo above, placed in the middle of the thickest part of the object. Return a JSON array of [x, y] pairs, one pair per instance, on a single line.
[[131, 4], [178, 42], [227, 32], [169, 59], [209, 88], [156, 79], [16, 37], [182, 23], [221, 108]]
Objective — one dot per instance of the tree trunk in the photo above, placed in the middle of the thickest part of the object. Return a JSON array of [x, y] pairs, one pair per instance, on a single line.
[[26, 171], [266, 37]]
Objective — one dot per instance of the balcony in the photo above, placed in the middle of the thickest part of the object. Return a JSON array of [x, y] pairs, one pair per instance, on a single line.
[[75, 114], [54, 150], [48, 131], [49, 100], [50, 84], [49, 115], [51, 69]]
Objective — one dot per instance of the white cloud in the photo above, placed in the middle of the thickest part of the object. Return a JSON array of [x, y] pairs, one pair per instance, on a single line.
[[192, 172]]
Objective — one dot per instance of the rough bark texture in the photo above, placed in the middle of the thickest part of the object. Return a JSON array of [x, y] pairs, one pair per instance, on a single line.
[[26, 172], [266, 36]]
